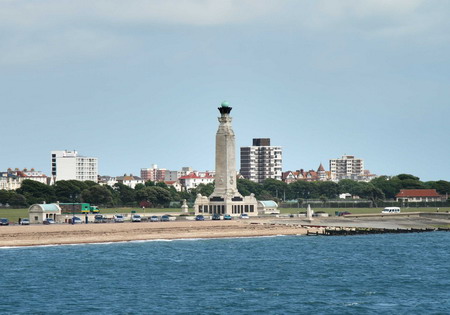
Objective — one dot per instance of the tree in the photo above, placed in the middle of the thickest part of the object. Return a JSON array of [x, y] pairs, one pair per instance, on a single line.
[[157, 196], [441, 186], [4, 196], [97, 195], [69, 190], [139, 186], [17, 200], [205, 190], [349, 186], [323, 198], [389, 186], [328, 190], [275, 187], [36, 192], [247, 187], [127, 195], [371, 193], [303, 189]]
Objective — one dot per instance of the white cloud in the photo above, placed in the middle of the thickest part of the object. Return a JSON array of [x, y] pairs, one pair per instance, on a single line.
[[37, 30]]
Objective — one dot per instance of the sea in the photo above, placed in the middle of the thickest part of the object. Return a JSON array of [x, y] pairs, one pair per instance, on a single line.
[[367, 274]]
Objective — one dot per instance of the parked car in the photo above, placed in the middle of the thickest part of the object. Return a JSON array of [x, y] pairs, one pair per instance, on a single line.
[[165, 218], [227, 217], [244, 216], [118, 218], [99, 218], [76, 220], [4, 221], [49, 221], [216, 216], [199, 218], [25, 222], [154, 218], [342, 213], [136, 218]]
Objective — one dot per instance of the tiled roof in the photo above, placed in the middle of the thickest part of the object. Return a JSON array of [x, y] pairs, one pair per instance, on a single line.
[[417, 193], [193, 176]]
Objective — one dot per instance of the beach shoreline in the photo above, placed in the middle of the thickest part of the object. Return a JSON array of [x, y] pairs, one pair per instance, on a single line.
[[65, 234]]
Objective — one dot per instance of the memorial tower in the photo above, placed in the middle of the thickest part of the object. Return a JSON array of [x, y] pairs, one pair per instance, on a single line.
[[225, 199]]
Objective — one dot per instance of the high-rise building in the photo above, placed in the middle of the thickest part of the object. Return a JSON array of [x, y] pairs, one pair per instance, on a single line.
[[67, 165], [347, 167], [154, 173], [261, 161]]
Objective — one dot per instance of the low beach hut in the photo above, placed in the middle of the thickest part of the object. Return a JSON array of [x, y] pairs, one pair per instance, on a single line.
[[267, 207], [39, 212]]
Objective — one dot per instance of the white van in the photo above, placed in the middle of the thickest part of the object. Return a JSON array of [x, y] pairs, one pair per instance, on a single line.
[[391, 210]]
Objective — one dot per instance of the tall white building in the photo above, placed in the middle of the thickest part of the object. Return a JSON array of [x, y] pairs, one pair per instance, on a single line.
[[347, 167], [67, 165], [261, 161]]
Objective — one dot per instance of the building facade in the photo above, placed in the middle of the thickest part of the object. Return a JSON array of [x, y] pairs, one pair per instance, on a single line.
[[192, 180], [347, 167], [68, 165], [419, 195], [154, 174], [12, 179], [261, 161]]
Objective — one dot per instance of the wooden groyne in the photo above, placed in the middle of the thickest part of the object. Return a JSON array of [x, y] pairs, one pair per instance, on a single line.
[[366, 231]]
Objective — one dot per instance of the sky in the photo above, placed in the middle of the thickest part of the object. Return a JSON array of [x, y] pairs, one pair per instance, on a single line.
[[136, 83]]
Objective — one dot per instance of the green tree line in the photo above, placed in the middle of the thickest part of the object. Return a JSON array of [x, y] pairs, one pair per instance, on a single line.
[[158, 194]]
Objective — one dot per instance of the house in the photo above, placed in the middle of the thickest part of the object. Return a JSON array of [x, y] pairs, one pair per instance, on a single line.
[[194, 179], [419, 195], [130, 180]]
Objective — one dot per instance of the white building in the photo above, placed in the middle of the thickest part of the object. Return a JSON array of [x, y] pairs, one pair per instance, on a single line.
[[12, 179], [261, 161], [193, 180], [68, 165], [130, 180], [347, 167]]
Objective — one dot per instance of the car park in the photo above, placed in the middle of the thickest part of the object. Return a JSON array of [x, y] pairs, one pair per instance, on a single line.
[[118, 218], [244, 216], [25, 222], [48, 221], [136, 218], [227, 217], [216, 216], [154, 218], [199, 218], [99, 218], [76, 220], [4, 221]]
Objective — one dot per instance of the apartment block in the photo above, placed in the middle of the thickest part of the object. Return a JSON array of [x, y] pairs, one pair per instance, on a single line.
[[261, 161], [347, 167], [69, 165]]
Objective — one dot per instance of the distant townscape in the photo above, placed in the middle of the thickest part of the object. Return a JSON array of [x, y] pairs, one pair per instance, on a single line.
[[260, 173], [259, 162]]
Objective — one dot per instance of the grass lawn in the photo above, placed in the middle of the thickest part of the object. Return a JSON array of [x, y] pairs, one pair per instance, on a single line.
[[331, 211], [13, 215]]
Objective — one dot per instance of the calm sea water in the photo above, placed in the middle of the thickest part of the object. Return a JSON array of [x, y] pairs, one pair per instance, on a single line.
[[372, 274]]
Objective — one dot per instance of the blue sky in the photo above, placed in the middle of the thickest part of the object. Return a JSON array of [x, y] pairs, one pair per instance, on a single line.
[[136, 82]]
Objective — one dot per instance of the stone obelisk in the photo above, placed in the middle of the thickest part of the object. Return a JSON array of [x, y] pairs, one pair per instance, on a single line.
[[225, 178], [225, 198]]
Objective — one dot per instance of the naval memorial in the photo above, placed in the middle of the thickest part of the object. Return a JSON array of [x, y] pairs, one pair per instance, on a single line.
[[225, 198]]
